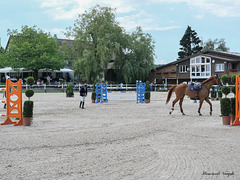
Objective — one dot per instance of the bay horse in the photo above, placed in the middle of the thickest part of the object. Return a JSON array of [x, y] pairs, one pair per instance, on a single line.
[[183, 89]]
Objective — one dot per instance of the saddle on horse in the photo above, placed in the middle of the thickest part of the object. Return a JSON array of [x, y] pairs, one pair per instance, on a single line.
[[195, 86]]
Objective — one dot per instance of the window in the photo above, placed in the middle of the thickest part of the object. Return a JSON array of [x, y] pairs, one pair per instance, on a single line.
[[182, 68], [198, 60], [200, 67], [219, 67]]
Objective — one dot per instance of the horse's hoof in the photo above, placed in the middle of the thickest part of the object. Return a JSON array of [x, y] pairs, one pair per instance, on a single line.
[[210, 113], [170, 113], [183, 113], [200, 114]]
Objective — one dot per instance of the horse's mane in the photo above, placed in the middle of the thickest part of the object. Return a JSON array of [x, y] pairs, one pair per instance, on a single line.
[[207, 80]]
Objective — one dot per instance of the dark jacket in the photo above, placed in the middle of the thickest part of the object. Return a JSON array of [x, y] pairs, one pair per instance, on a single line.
[[83, 91]]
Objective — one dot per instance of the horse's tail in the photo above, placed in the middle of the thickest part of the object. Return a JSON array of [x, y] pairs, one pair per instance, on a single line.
[[171, 90]]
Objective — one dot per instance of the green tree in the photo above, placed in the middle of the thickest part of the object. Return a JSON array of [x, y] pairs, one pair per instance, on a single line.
[[99, 40], [136, 58], [3, 62], [190, 44], [216, 44], [95, 42], [33, 49]]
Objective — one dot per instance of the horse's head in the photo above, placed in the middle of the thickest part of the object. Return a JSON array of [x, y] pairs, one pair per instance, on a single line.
[[218, 81]]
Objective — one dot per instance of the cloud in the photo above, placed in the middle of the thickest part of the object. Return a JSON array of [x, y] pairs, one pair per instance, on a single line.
[[199, 16], [145, 20], [219, 8], [62, 10], [130, 13]]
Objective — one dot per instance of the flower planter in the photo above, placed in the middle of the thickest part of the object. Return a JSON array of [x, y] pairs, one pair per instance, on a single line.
[[147, 100], [27, 121], [69, 95], [93, 100], [212, 98], [232, 119], [226, 120]]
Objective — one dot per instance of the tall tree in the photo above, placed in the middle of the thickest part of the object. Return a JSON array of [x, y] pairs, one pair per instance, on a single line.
[[3, 61], [137, 57], [190, 44], [98, 40], [216, 44], [33, 49], [95, 41]]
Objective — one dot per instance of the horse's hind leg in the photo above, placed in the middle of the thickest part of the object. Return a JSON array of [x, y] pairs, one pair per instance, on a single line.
[[173, 103], [180, 104]]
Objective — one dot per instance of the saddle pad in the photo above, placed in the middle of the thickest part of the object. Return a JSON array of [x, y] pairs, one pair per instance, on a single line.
[[195, 87]]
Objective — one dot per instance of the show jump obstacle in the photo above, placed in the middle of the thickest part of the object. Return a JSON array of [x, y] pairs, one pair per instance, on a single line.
[[237, 106], [101, 92], [14, 102]]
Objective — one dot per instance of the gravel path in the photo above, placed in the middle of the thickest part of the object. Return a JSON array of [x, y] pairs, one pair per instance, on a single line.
[[119, 140]]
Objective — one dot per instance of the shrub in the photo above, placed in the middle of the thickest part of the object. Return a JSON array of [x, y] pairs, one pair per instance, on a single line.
[[69, 90], [220, 93], [93, 97], [147, 94], [225, 90], [28, 109], [225, 104], [29, 93], [233, 79], [147, 88], [233, 88], [147, 91], [213, 94], [28, 105], [233, 103], [224, 79], [30, 80]]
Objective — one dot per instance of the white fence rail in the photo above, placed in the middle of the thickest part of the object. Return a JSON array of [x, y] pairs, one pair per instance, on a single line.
[[111, 87]]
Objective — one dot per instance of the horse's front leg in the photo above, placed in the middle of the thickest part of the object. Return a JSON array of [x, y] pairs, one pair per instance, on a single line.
[[210, 104], [200, 106]]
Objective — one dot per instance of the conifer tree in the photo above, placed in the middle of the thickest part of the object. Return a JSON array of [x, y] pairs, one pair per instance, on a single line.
[[190, 44]]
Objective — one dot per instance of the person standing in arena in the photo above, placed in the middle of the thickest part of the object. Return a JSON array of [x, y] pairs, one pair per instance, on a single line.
[[83, 94]]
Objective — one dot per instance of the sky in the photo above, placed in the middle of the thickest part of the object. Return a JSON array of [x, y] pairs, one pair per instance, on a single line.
[[165, 20]]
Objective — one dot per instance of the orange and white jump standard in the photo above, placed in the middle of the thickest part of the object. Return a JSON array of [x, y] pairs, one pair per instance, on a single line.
[[237, 106], [14, 106]]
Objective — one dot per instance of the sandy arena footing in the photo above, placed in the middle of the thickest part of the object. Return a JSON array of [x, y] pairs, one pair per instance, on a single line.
[[119, 140]]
